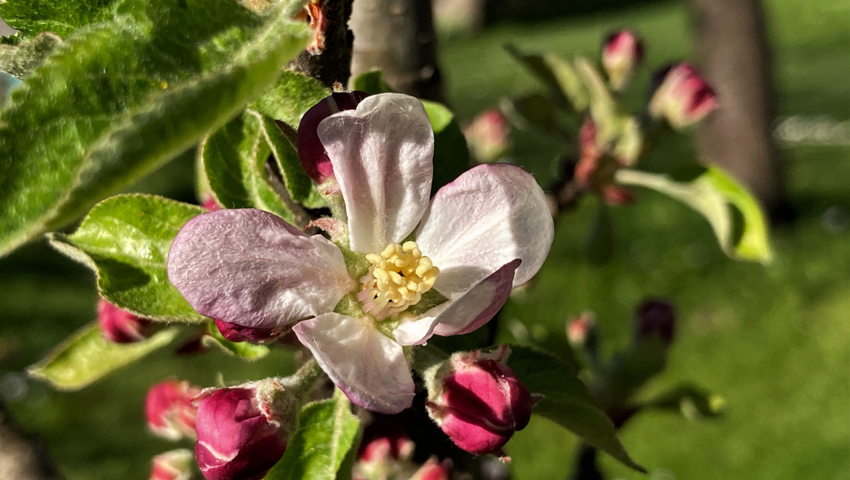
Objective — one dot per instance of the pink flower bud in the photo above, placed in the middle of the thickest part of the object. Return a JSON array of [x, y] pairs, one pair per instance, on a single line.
[[314, 157], [488, 136], [238, 333], [622, 52], [655, 317], [173, 465], [478, 401], [683, 97], [239, 435], [120, 326], [169, 410], [211, 204], [384, 451], [582, 329], [433, 469]]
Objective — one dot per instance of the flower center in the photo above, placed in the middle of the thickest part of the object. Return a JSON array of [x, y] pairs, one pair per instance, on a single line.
[[396, 280]]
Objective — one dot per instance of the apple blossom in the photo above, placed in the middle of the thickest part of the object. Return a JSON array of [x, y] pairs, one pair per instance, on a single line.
[[240, 434], [121, 326], [478, 401], [683, 97], [414, 267], [169, 410], [622, 52]]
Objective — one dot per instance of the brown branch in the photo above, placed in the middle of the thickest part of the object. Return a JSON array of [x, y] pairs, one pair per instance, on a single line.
[[334, 63]]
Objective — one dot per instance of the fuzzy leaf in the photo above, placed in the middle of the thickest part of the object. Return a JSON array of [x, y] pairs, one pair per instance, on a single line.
[[326, 432], [87, 357], [126, 240], [235, 166], [242, 350], [451, 153], [62, 17], [734, 215], [118, 100], [292, 95], [567, 401], [300, 187]]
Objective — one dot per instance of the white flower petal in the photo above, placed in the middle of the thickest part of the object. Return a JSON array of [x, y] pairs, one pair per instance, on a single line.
[[369, 367], [465, 314], [487, 217], [382, 156], [251, 268]]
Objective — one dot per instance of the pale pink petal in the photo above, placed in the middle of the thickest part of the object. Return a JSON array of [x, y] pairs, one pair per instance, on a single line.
[[465, 314], [486, 218], [251, 268], [382, 158], [364, 363]]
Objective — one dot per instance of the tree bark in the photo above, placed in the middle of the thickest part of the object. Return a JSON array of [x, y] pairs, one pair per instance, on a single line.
[[21, 456], [397, 37], [732, 43], [334, 64]]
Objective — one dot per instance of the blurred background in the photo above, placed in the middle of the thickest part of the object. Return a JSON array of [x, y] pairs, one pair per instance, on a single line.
[[773, 340]]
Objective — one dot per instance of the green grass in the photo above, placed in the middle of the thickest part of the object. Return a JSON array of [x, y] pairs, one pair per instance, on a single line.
[[772, 340]]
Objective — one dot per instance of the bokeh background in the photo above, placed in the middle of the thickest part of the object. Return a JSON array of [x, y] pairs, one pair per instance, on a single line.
[[774, 341]]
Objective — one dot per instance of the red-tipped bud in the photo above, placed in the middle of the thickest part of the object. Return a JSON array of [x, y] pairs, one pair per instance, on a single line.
[[242, 432], [433, 469], [488, 136], [622, 52], [478, 401], [384, 451], [238, 333], [211, 204], [169, 410], [655, 317], [582, 329], [120, 326], [314, 157], [173, 465], [683, 97]]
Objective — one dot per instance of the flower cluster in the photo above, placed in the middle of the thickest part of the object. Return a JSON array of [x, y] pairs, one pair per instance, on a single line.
[[404, 267]]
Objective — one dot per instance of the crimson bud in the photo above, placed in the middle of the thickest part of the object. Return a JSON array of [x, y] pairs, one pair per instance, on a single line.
[[683, 97], [622, 52], [173, 465], [169, 410], [120, 326]]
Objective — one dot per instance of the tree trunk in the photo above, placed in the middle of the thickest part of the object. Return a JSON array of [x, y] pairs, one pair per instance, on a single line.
[[397, 36], [334, 64], [21, 456], [735, 54]]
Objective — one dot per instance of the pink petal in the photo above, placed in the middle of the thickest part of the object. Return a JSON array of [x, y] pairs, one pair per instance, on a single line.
[[466, 314], [251, 268], [365, 364], [382, 158], [488, 217]]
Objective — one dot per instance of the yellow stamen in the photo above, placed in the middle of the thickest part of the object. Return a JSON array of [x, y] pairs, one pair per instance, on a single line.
[[398, 277]]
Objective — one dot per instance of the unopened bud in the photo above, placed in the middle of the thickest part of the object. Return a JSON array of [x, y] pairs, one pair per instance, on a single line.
[[120, 326], [682, 97], [582, 330], [173, 465], [314, 157], [622, 52], [238, 333], [655, 317], [242, 431], [488, 136], [478, 401], [384, 451], [169, 409], [434, 469], [211, 204]]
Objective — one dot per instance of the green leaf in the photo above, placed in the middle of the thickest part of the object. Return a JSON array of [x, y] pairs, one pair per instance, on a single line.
[[242, 350], [300, 187], [370, 82], [20, 60], [235, 166], [644, 358], [562, 82], [735, 216], [451, 153], [566, 401], [532, 112], [126, 240], [691, 401], [87, 357], [326, 432], [58, 16], [292, 95], [118, 100]]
